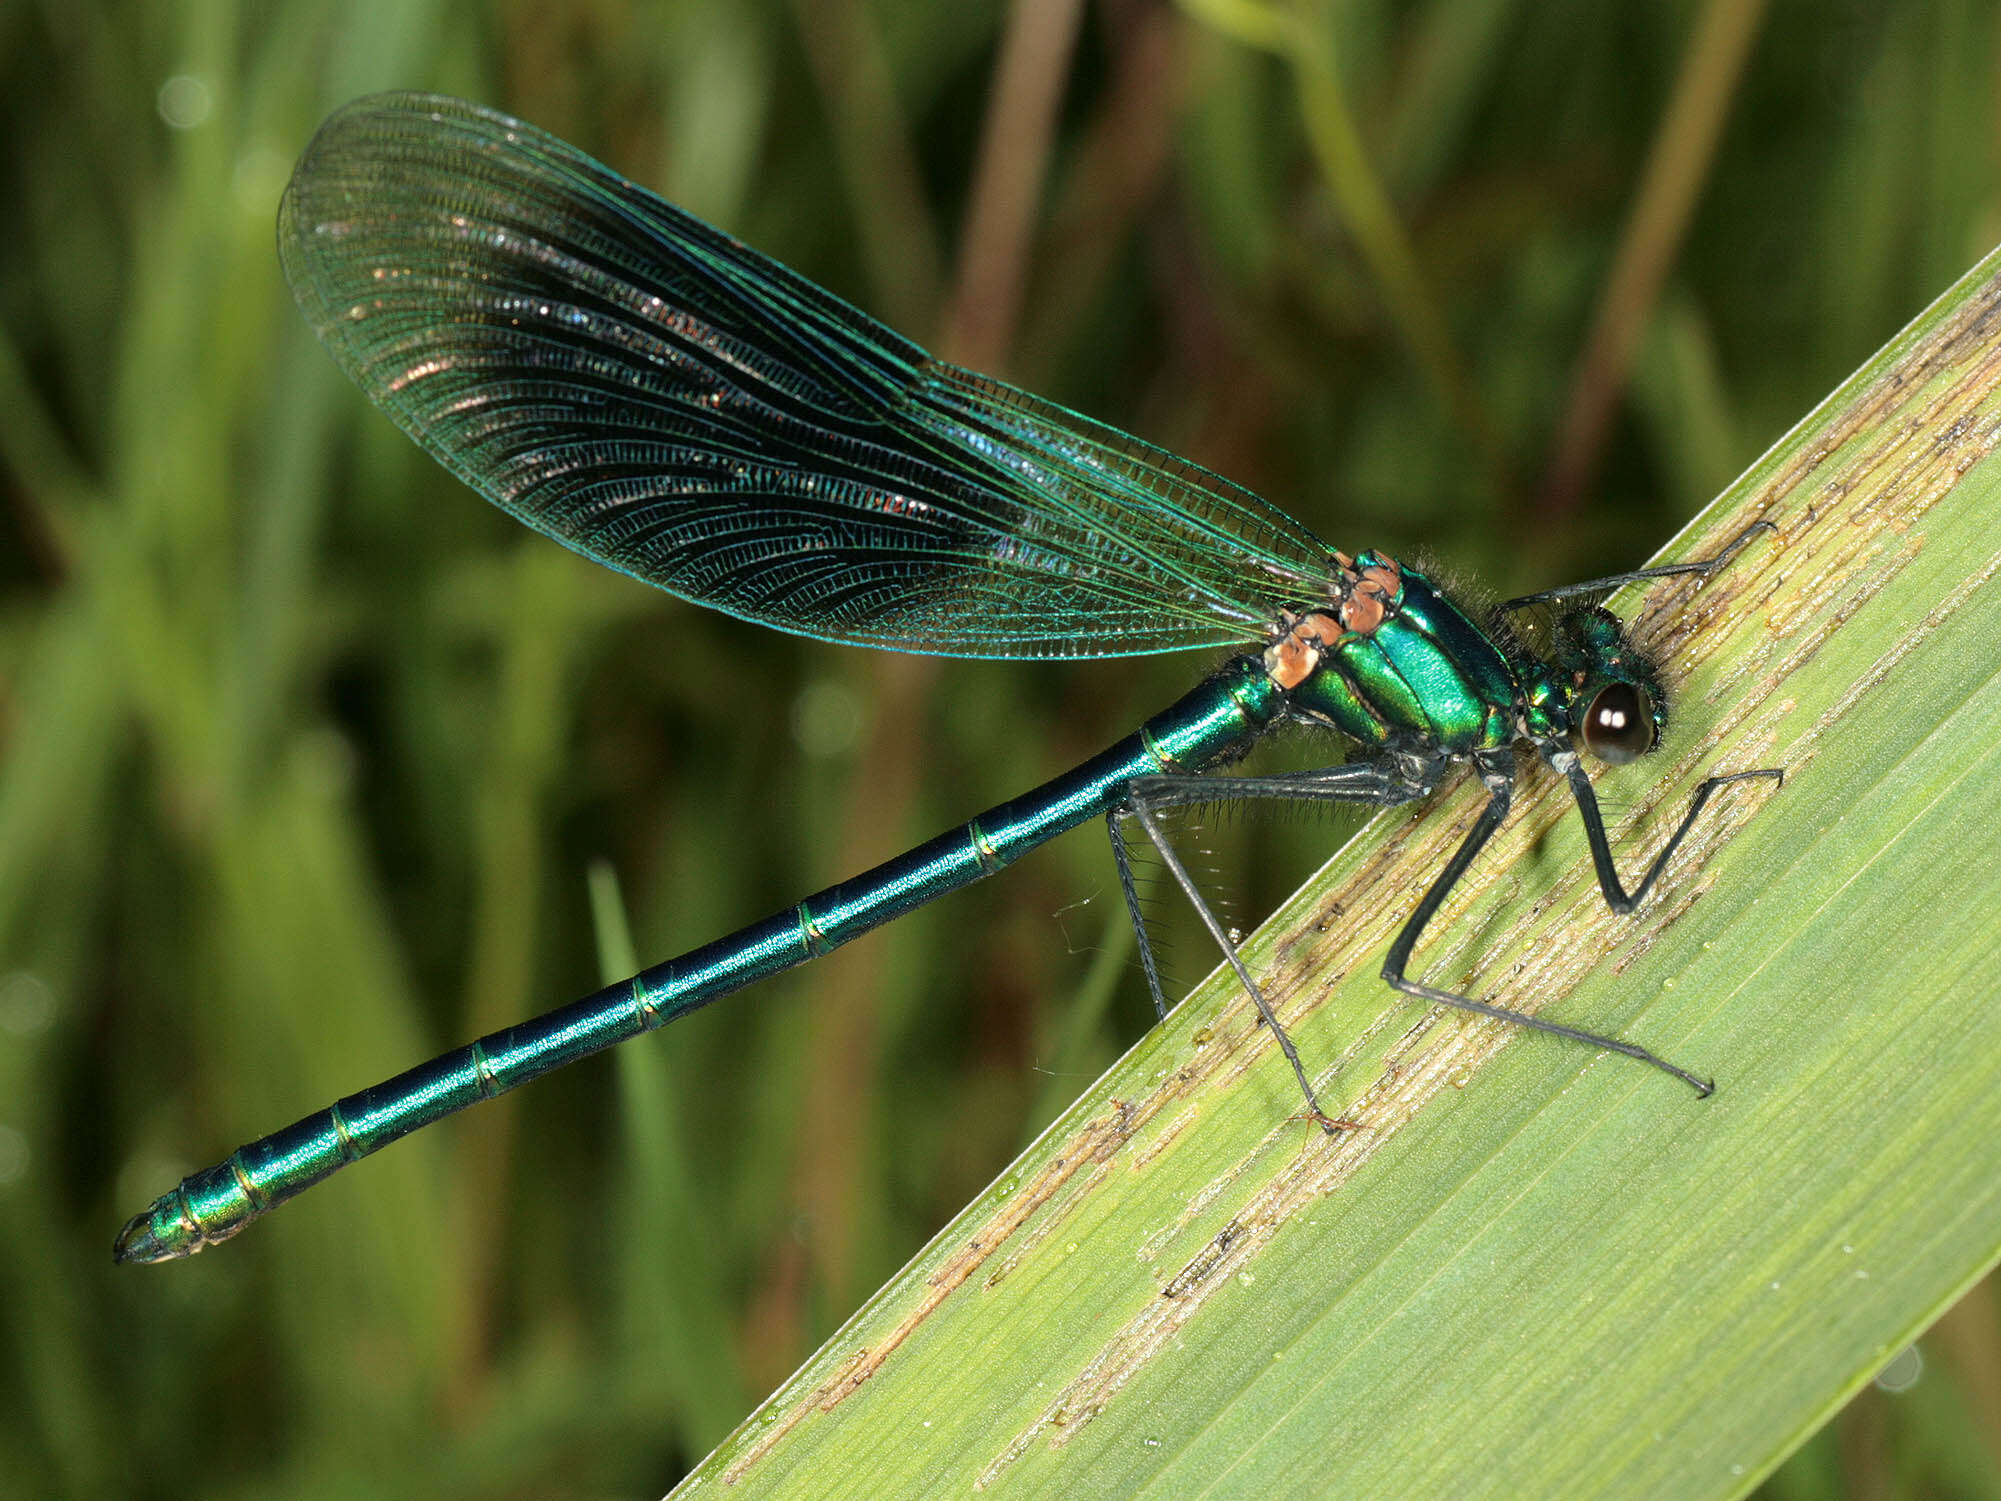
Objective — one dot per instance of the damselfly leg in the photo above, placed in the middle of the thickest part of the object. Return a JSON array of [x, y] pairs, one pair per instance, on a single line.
[[1383, 784], [1606, 585], [1498, 778]]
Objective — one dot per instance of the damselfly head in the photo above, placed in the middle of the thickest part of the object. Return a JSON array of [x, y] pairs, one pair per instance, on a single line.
[[1616, 706]]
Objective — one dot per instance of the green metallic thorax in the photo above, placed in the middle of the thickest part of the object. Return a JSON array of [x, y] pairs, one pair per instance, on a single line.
[[1426, 672]]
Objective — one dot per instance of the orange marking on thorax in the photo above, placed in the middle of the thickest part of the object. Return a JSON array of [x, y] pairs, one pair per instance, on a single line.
[[1370, 597], [1359, 601], [1291, 659]]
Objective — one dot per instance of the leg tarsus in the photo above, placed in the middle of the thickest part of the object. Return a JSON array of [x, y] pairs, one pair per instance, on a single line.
[[1703, 1088], [1701, 568], [1333, 1125], [1735, 545]]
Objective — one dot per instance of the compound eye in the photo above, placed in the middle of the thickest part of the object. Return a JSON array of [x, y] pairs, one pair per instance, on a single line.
[[1619, 725]]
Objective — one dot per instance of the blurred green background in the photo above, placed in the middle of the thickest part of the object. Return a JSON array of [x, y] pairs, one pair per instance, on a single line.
[[307, 757]]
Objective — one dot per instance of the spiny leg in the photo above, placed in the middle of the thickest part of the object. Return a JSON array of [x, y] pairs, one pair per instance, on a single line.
[[1361, 782], [1188, 888], [1383, 784], [1126, 884], [1565, 762], [1705, 567], [1498, 777], [1387, 783]]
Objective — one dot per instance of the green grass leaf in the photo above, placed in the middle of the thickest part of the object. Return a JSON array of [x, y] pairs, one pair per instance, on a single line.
[[1536, 1270]]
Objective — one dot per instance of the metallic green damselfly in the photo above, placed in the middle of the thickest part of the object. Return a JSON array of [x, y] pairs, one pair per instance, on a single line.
[[665, 400]]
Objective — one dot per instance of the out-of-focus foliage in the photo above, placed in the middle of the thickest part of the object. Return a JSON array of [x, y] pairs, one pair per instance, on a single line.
[[305, 754]]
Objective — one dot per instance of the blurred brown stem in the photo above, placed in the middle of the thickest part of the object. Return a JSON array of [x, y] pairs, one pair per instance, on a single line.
[[1114, 170], [1301, 33], [1678, 165], [1015, 144], [898, 242]]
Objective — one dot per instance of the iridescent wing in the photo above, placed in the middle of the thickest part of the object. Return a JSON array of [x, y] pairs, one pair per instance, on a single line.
[[669, 402]]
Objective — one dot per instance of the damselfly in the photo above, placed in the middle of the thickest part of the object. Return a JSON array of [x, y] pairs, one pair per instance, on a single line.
[[660, 397]]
